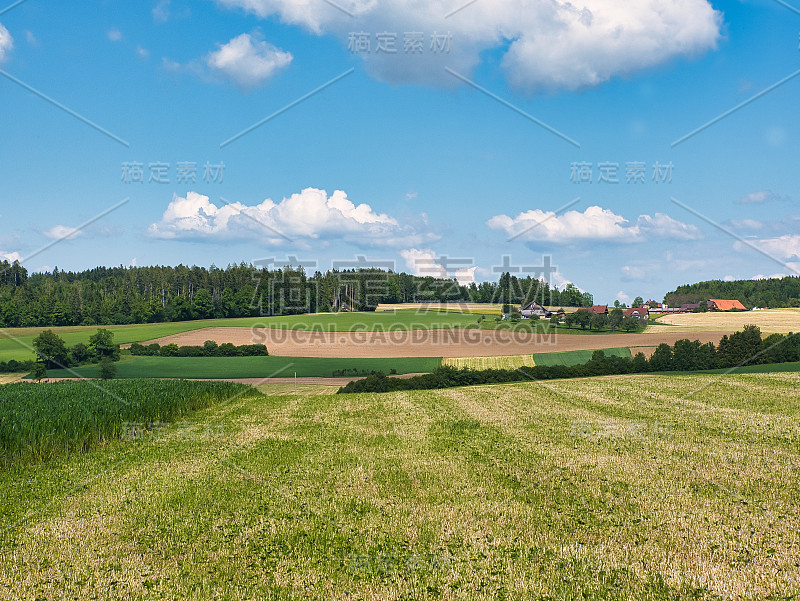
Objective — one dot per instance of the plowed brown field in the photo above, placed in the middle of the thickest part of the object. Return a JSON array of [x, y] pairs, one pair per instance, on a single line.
[[425, 343]]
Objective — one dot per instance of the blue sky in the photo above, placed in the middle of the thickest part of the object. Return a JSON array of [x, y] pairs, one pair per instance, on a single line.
[[462, 147]]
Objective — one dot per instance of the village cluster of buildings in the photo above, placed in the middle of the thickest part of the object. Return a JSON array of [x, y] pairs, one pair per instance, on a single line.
[[643, 312]]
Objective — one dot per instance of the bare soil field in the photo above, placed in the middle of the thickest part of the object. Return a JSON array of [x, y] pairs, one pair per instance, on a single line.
[[426, 343], [770, 321]]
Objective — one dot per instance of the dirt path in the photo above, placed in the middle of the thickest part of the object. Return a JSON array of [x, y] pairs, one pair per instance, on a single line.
[[426, 343]]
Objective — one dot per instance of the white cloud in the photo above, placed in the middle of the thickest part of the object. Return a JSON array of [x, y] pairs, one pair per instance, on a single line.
[[161, 11], [759, 197], [248, 63], [10, 256], [62, 232], [623, 298], [783, 247], [31, 38], [761, 276], [425, 262], [730, 278], [114, 35], [133, 262], [142, 52], [309, 216], [546, 44], [632, 273], [595, 224], [6, 43]]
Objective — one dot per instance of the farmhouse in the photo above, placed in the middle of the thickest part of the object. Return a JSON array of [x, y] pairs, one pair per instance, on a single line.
[[718, 304], [642, 313], [534, 308], [599, 310]]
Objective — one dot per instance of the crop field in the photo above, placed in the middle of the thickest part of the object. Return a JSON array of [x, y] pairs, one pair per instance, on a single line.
[[781, 321], [501, 362], [40, 421], [476, 308], [659, 487], [577, 357], [251, 367]]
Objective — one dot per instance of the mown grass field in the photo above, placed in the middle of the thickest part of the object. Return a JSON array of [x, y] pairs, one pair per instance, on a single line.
[[679, 487], [249, 367], [505, 362], [576, 357]]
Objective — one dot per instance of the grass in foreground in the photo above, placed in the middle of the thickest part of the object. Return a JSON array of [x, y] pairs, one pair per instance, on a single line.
[[619, 488], [252, 367]]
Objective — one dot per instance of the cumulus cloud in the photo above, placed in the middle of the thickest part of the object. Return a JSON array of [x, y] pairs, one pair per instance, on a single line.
[[62, 232], [425, 262], [10, 256], [546, 44], [783, 247], [594, 224], [114, 35], [246, 62], [309, 216], [6, 43]]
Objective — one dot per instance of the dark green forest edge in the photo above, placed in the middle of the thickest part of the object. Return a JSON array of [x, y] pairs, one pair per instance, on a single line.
[[773, 293], [744, 348], [127, 295]]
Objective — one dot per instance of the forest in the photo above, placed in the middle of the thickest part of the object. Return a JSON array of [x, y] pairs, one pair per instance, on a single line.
[[126, 295], [773, 293]]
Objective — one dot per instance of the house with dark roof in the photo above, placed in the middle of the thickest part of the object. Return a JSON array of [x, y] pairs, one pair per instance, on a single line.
[[719, 304], [534, 308]]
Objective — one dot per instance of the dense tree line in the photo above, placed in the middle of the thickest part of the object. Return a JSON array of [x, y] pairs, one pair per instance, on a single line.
[[741, 348], [784, 292], [124, 295]]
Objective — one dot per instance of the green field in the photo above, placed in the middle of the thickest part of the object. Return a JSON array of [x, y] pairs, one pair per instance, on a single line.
[[577, 357], [249, 367], [616, 488]]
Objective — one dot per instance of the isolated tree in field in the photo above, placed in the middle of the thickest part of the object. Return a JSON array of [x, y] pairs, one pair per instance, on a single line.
[[598, 322], [108, 371], [79, 353], [630, 323], [570, 320], [555, 320], [51, 349], [615, 318], [39, 371], [102, 345], [583, 318]]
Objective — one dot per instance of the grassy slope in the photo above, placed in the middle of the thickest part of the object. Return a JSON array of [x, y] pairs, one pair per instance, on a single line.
[[576, 357], [623, 488], [249, 367]]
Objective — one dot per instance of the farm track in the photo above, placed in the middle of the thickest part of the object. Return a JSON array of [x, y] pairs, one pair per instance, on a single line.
[[427, 343]]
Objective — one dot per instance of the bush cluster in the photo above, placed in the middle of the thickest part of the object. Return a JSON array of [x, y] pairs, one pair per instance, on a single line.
[[741, 348], [14, 366], [209, 349]]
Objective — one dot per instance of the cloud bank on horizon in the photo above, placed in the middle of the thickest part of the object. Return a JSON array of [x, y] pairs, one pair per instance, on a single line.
[[545, 44], [593, 224]]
